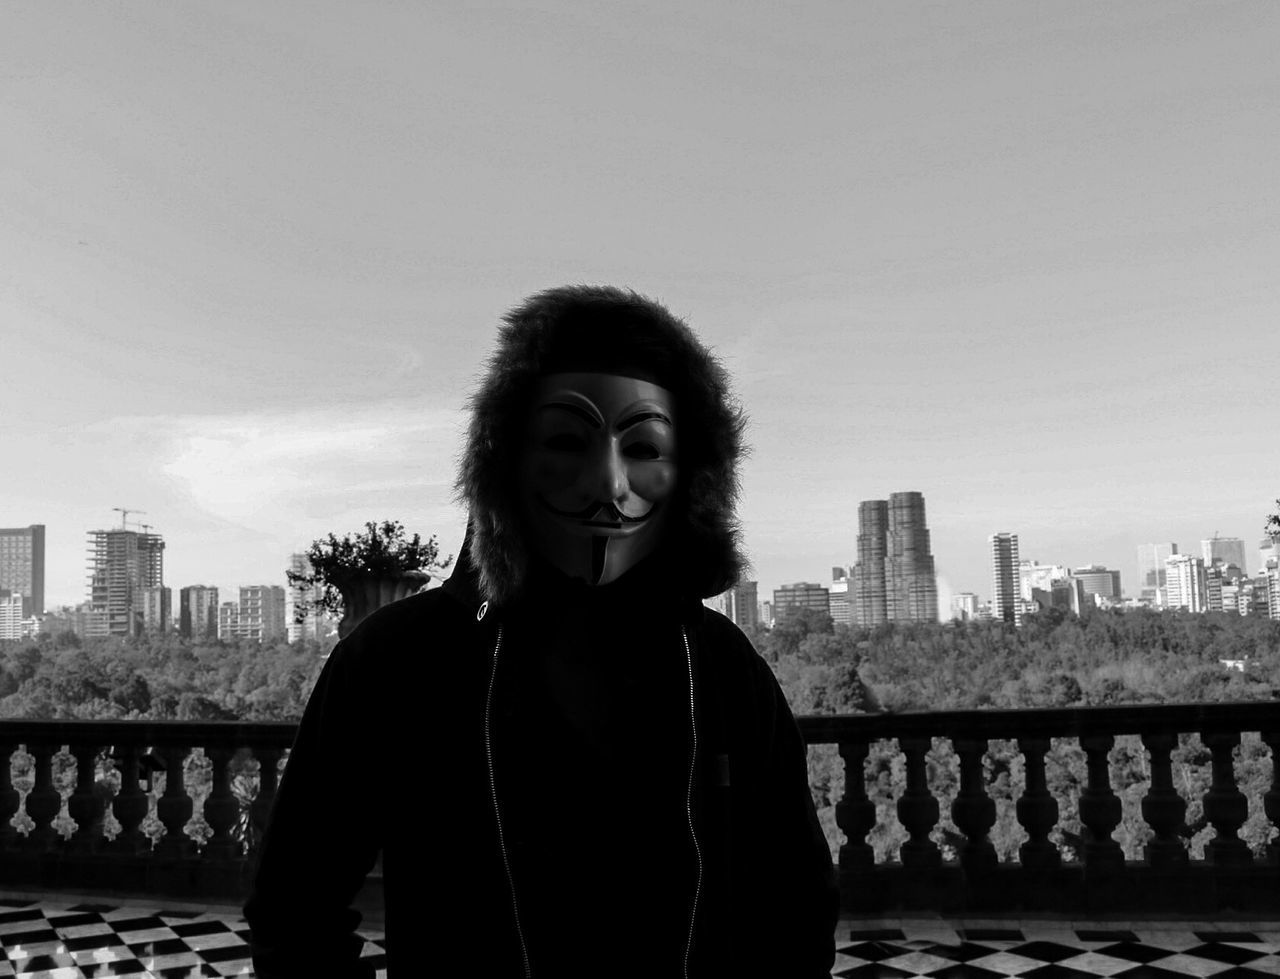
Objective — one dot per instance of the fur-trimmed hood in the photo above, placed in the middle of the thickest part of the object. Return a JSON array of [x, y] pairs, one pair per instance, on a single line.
[[602, 328]]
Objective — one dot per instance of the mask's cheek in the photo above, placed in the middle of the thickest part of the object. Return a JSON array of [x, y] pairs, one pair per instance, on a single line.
[[653, 482], [554, 478]]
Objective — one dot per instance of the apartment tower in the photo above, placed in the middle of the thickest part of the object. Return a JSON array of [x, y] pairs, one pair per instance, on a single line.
[[868, 585], [198, 612]]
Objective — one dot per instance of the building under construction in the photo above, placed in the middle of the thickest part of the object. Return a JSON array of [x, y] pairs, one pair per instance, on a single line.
[[123, 564]]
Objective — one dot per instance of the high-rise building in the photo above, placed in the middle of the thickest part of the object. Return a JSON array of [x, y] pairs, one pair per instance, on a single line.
[[868, 599], [894, 579], [1100, 581], [258, 616], [1223, 550], [10, 614], [1006, 589], [1151, 570], [738, 604], [313, 622], [964, 606], [766, 614], [841, 610], [198, 612], [122, 565], [911, 584], [1273, 593], [157, 609], [1214, 586], [22, 566], [788, 599], [1186, 584]]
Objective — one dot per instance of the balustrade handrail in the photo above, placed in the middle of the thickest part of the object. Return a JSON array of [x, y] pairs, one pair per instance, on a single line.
[[274, 734], [995, 724]]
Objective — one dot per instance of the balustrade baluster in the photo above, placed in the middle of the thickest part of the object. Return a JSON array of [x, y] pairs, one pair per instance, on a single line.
[[974, 811], [221, 809], [855, 812], [1271, 798], [130, 804], [918, 808], [1100, 809], [1162, 807], [85, 806], [43, 801], [1225, 806], [10, 798], [1037, 809], [269, 779], [175, 807]]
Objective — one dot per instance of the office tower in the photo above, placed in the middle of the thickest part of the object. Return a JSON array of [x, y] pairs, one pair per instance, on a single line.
[[198, 612], [744, 606], [788, 599], [157, 609], [766, 614], [1100, 581], [911, 587], [1273, 592], [22, 566], [868, 584], [122, 564], [964, 606], [1223, 550], [841, 610], [1006, 590], [894, 578], [11, 617], [314, 624], [1185, 583], [1151, 570], [738, 604]]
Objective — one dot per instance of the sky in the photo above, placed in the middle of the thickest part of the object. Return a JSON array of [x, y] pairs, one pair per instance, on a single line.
[[1018, 256]]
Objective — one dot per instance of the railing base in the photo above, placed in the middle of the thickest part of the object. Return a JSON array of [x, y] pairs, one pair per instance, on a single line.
[[1010, 888]]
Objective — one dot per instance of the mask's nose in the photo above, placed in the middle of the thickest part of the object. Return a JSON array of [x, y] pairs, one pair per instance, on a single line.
[[610, 475]]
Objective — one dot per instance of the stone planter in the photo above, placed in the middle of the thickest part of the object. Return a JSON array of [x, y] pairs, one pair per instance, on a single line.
[[362, 594]]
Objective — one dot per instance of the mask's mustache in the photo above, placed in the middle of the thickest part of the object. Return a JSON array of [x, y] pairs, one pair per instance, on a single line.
[[600, 511]]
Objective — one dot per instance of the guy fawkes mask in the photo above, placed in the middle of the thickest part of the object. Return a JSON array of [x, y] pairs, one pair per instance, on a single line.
[[597, 470]]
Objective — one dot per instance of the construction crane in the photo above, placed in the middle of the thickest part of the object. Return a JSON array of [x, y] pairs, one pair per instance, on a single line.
[[124, 515]]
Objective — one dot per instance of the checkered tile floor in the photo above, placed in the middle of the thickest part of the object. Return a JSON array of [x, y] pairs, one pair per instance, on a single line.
[[1056, 949], [56, 940], [48, 940]]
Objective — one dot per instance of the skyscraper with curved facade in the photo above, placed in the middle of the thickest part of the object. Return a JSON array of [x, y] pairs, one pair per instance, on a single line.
[[894, 579]]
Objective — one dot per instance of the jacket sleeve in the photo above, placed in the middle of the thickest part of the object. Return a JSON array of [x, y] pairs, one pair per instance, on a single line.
[[800, 881], [323, 835]]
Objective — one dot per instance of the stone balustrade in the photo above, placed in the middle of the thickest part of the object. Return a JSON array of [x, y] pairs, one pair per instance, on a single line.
[[206, 857], [1098, 877], [82, 836]]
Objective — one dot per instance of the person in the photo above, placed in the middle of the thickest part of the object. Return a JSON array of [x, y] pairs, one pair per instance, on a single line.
[[570, 765]]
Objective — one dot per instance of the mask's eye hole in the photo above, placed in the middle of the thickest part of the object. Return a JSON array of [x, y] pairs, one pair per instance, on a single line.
[[641, 450], [565, 442]]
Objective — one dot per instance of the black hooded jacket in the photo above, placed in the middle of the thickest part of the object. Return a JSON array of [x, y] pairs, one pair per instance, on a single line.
[[563, 780]]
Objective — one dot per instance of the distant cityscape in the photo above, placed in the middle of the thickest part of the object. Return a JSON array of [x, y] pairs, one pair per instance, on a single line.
[[892, 580], [126, 595]]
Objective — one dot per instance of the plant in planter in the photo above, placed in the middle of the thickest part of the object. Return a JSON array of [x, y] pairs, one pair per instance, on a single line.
[[358, 573]]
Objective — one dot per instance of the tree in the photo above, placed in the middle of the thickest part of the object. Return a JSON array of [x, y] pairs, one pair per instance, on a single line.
[[1272, 527], [380, 550]]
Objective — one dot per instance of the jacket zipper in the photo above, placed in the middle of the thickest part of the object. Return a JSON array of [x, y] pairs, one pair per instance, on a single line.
[[497, 812], [688, 800]]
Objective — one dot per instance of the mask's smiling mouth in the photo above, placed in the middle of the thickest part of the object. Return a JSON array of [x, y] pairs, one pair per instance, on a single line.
[[601, 514]]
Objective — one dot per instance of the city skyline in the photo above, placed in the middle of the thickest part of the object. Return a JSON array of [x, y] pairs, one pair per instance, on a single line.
[[1015, 256]]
